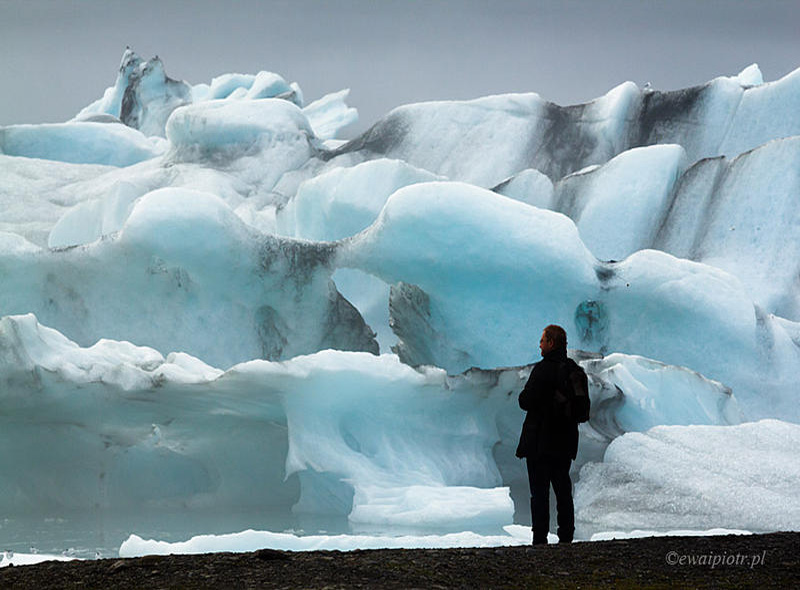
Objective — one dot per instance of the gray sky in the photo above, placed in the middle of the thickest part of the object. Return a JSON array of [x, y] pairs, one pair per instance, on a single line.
[[57, 56]]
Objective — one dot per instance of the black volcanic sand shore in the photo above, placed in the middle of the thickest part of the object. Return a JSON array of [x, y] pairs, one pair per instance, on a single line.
[[749, 561]]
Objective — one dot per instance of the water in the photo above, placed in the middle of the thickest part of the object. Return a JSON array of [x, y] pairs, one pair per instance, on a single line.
[[95, 535]]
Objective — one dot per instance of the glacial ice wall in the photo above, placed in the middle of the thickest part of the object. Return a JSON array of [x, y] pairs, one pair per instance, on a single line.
[[186, 274], [716, 211], [721, 118], [115, 428], [215, 276], [143, 97], [652, 304]]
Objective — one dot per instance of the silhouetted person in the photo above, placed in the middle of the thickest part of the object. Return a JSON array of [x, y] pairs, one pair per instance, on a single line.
[[549, 439]]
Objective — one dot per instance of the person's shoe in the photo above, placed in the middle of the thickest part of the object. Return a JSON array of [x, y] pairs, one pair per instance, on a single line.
[[565, 534], [539, 542]]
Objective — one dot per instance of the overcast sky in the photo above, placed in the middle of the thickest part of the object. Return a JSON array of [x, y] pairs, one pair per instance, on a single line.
[[57, 56]]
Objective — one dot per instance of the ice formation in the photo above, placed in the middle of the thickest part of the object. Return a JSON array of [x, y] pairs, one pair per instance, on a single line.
[[724, 117], [364, 437], [135, 546], [84, 142], [209, 305], [14, 558], [186, 274], [700, 476]]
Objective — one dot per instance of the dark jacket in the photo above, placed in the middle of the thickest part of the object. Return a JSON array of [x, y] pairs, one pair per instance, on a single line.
[[543, 433]]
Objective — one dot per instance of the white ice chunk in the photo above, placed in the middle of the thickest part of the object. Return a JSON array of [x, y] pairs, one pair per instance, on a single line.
[[248, 86], [117, 363], [671, 305], [268, 85], [766, 112], [453, 139], [246, 541], [431, 506], [529, 186], [251, 540], [14, 558], [160, 432], [217, 124], [698, 477], [80, 143], [253, 143], [193, 223], [753, 230], [95, 218], [15, 244], [342, 202], [330, 113], [608, 118], [629, 197], [649, 393], [467, 246], [750, 76], [223, 86], [153, 96], [353, 434], [34, 194]]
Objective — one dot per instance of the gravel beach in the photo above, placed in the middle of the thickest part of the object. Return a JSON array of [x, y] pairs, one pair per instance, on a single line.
[[733, 561]]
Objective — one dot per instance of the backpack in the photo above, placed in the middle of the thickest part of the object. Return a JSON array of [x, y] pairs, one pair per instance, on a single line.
[[571, 400]]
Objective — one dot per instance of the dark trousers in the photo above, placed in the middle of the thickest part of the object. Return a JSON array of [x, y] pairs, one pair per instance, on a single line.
[[543, 472]]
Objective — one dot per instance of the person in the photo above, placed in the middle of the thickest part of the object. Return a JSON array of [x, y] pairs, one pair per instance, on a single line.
[[549, 439]]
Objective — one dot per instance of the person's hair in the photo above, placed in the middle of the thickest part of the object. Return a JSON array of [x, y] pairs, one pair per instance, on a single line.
[[556, 335]]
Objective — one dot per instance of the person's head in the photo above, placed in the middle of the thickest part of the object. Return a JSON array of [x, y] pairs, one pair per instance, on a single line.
[[553, 338]]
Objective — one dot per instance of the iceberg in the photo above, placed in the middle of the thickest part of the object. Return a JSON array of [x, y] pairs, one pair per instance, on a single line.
[[351, 436], [216, 316]]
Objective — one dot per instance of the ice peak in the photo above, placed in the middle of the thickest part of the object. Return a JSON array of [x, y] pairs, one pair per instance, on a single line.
[[130, 60], [750, 76]]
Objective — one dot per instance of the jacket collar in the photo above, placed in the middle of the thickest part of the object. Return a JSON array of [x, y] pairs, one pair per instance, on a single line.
[[558, 354]]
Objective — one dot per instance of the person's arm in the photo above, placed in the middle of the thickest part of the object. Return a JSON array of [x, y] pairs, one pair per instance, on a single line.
[[528, 394]]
